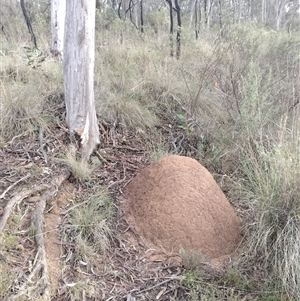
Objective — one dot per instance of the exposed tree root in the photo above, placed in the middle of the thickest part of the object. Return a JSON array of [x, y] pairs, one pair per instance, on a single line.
[[18, 198], [37, 282]]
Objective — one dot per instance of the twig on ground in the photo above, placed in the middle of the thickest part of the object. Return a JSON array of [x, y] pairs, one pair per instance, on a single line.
[[158, 284], [119, 181], [73, 207], [42, 144], [13, 185], [101, 157]]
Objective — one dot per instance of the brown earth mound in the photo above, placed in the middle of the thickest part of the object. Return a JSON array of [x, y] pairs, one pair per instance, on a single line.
[[175, 203]]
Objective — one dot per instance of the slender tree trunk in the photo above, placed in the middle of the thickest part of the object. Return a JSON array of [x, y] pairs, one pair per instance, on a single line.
[[58, 14], [178, 35], [142, 15], [33, 38], [171, 27], [79, 56], [263, 11], [239, 12], [119, 9], [197, 19], [220, 14], [279, 7], [135, 9]]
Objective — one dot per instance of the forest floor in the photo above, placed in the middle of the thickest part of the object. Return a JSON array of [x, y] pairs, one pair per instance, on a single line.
[[40, 252]]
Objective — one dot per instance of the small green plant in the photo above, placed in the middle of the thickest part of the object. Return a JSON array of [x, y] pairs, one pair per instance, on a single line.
[[188, 124], [191, 260], [234, 278], [81, 289], [34, 56], [9, 240]]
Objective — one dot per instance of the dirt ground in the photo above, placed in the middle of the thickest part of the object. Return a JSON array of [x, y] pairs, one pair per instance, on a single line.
[[131, 269]]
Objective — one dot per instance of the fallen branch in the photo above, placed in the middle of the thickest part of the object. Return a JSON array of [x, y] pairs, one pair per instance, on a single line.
[[18, 198], [40, 263]]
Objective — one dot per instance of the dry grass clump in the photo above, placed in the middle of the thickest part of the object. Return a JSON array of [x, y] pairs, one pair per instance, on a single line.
[[272, 185], [6, 279], [80, 168], [27, 77], [90, 224]]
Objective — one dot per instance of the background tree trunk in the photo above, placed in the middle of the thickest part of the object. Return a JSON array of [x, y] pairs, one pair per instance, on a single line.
[[178, 35], [28, 23], [142, 15], [171, 27], [79, 56], [58, 13]]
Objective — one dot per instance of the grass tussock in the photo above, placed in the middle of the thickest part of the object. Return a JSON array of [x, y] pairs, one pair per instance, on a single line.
[[6, 279], [27, 78], [272, 184], [80, 168], [91, 224]]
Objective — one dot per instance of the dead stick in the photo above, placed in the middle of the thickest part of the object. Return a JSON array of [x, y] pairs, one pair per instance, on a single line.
[[13, 185], [17, 198], [156, 285]]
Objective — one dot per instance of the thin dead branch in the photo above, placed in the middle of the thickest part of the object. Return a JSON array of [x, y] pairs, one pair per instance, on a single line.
[[13, 185]]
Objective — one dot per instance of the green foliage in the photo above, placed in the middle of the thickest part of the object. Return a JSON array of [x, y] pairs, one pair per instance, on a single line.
[[234, 278], [34, 56], [191, 260], [26, 79]]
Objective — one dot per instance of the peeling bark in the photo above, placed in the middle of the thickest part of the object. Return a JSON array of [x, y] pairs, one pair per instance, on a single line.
[[79, 57]]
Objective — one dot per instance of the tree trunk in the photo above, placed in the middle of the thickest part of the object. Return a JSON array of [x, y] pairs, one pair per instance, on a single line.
[[207, 12], [33, 38], [58, 13], [119, 9], [142, 15], [178, 37], [263, 11], [171, 27], [79, 56], [197, 19], [220, 14], [279, 7]]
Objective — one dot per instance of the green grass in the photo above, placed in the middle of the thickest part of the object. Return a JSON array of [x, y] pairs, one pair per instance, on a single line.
[[272, 184]]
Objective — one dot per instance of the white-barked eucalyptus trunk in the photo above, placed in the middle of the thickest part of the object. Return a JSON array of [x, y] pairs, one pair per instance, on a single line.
[[58, 13], [79, 57]]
